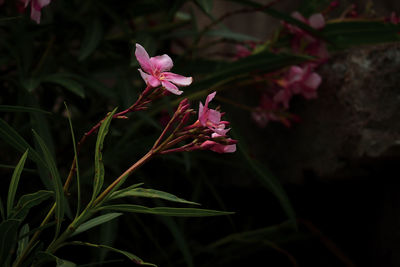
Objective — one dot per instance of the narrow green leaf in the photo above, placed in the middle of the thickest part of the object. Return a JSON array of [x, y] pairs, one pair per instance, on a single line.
[[98, 161], [95, 222], [56, 182], [78, 180], [2, 214], [92, 38], [8, 134], [344, 34], [26, 202], [5, 166], [7, 108], [129, 255], [262, 62], [14, 183], [46, 257], [66, 82], [116, 192], [230, 35], [166, 211], [151, 193], [8, 239], [206, 5], [23, 242]]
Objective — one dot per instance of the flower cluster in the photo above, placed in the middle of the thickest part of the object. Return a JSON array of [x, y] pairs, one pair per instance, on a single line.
[[295, 80], [207, 133]]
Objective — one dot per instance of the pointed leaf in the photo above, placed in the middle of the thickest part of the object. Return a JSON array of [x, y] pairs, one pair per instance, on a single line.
[[230, 35], [151, 193], [166, 211], [95, 222], [46, 257], [14, 183], [8, 134], [78, 182], [8, 239], [98, 161], [23, 242], [129, 255], [7, 108], [26, 202], [66, 82], [56, 182], [206, 5]]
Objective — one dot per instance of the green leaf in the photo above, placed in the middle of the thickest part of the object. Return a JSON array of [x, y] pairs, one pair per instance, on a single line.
[[98, 161], [129, 255], [228, 34], [56, 182], [2, 214], [8, 134], [151, 193], [206, 5], [78, 182], [261, 62], [8, 239], [66, 82], [46, 257], [114, 192], [349, 33], [95, 222], [26, 202], [165, 211], [92, 38], [14, 182], [23, 242], [281, 16], [7, 108]]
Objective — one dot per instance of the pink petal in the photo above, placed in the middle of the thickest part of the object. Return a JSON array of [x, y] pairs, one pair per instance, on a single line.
[[214, 116], [171, 87], [161, 63], [295, 74], [317, 21], [313, 81], [229, 148], [209, 98], [143, 58], [298, 16], [35, 15], [201, 114], [178, 79], [153, 81]]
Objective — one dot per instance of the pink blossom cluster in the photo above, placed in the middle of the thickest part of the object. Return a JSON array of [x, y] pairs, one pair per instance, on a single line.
[[295, 80], [207, 133]]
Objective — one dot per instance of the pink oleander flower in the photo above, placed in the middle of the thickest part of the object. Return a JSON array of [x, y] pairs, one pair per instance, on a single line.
[[155, 71], [393, 18], [211, 118], [298, 80], [36, 8], [312, 45]]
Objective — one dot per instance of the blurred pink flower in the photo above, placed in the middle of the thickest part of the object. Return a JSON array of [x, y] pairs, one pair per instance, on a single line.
[[36, 8], [298, 80], [155, 71], [211, 118], [313, 46]]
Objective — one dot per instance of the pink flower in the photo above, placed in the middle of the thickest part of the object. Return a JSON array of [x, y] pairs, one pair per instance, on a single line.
[[155, 71], [298, 81], [315, 21], [36, 7], [211, 118]]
